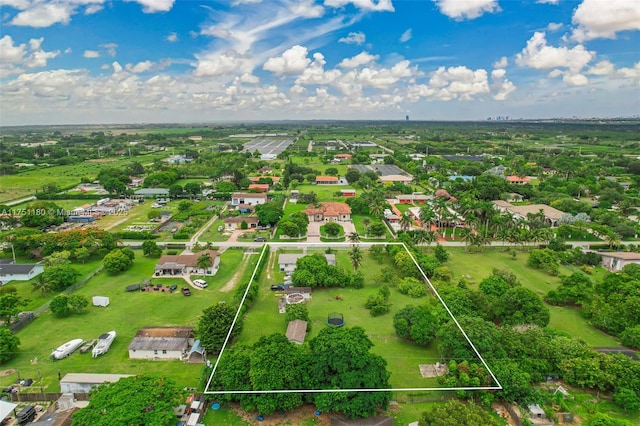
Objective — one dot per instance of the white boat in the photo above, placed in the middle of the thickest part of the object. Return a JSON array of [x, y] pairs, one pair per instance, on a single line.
[[104, 343], [67, 349]]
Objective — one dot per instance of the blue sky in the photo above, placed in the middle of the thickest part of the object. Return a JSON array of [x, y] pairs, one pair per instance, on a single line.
[[101, 61]]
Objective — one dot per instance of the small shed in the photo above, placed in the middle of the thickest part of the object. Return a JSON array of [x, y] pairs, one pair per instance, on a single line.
[[100, 301], [297, 331], [197, 353]]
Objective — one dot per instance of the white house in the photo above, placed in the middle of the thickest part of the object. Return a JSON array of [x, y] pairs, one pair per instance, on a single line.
[[160, 343], [10, 271], [615, 261], [238, 198], [287, 261]]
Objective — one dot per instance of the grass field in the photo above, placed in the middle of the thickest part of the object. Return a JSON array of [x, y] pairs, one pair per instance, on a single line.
[[403, 358], [27, 183], [126, 313], [477, 266], [325, 192]]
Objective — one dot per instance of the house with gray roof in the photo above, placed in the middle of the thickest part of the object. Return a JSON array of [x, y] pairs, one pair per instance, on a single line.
[[160, 343], [151, 192], [287, 261], [10, 271], [296, 331]]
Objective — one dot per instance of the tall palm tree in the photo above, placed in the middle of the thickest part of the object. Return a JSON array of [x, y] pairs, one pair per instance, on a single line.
[[405, 222], [376, 209], [426, 217], [354, 237], [204, 261], [366, 222], [356, 257]]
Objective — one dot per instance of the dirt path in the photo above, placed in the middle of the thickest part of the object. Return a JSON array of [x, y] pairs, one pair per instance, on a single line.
[[235, 278], [113, 225]]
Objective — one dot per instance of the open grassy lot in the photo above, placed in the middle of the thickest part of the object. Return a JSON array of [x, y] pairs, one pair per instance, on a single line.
[[403, 358], [126, 314], [477, 266], [316, 163], [325, 192], [212, 233], [27, 183]]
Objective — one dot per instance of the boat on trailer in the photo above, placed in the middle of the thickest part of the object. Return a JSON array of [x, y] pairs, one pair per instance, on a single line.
[[104, 343], [67, 349]]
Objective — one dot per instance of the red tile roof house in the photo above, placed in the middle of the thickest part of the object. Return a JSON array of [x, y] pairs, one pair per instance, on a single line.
[[235, 222], [186, 264], [412, 198], [327, 180], [329, 212], [519, 180], [260, 187], [348, 192]]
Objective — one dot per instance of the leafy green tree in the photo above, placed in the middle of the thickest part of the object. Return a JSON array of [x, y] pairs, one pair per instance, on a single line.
[[333, 229], [412, 287], [341, 360], [631, 337], [60, 305], [405, 264], [9, 343], [184, 205], [225, 187], [135, 400], [117, 261], [78, 303], [58, 258], [154, 215], [151, 249], [278, 364], [41, 214], [60, 277], [269, 213], [521, 305], [377, 229], [484, 335], [458, 413], [175, 190], [81, 254], [441, 253], [214, 325], [378, 304], [416, 323], [297, 311], [193, 188], [10, 306], [602, 419]]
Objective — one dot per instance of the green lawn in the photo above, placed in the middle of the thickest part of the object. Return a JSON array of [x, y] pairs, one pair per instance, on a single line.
[[27, 183], [212, 233], [126, 313], [324, 192], [477, 266]]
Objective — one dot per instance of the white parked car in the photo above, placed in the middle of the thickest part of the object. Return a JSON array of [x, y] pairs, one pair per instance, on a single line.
[[200, 283]]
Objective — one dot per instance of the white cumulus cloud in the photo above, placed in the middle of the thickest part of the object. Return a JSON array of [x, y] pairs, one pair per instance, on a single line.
[[140, 67], [172, 37], [292, 61], [369, 5], [43, 15], [458, 83], [306, 9], [353, 38], [15, 57], [361, 58], [539, 55], [91, 54], [603, 19], [467, 9], [153, 6]]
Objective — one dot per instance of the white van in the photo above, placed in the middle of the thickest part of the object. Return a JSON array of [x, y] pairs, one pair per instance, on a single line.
[[200, 283]]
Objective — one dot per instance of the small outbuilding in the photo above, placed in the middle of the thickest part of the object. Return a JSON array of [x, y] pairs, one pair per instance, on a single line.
[[84, 382], [297, 331], [100, 301]]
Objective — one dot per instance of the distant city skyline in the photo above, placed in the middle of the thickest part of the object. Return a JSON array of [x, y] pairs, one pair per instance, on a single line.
[[179, 61]]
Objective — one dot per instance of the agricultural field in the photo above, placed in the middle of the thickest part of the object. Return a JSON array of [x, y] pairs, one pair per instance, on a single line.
[[23, 184]]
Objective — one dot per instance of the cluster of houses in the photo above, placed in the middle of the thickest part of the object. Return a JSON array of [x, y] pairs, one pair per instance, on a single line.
[[106, 206]]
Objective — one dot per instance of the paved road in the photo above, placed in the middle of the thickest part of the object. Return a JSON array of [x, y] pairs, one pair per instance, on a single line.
[[21, 200], [275, 245]]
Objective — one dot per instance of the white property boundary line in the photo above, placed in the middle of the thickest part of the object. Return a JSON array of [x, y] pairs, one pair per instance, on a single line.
[[284, 391]]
